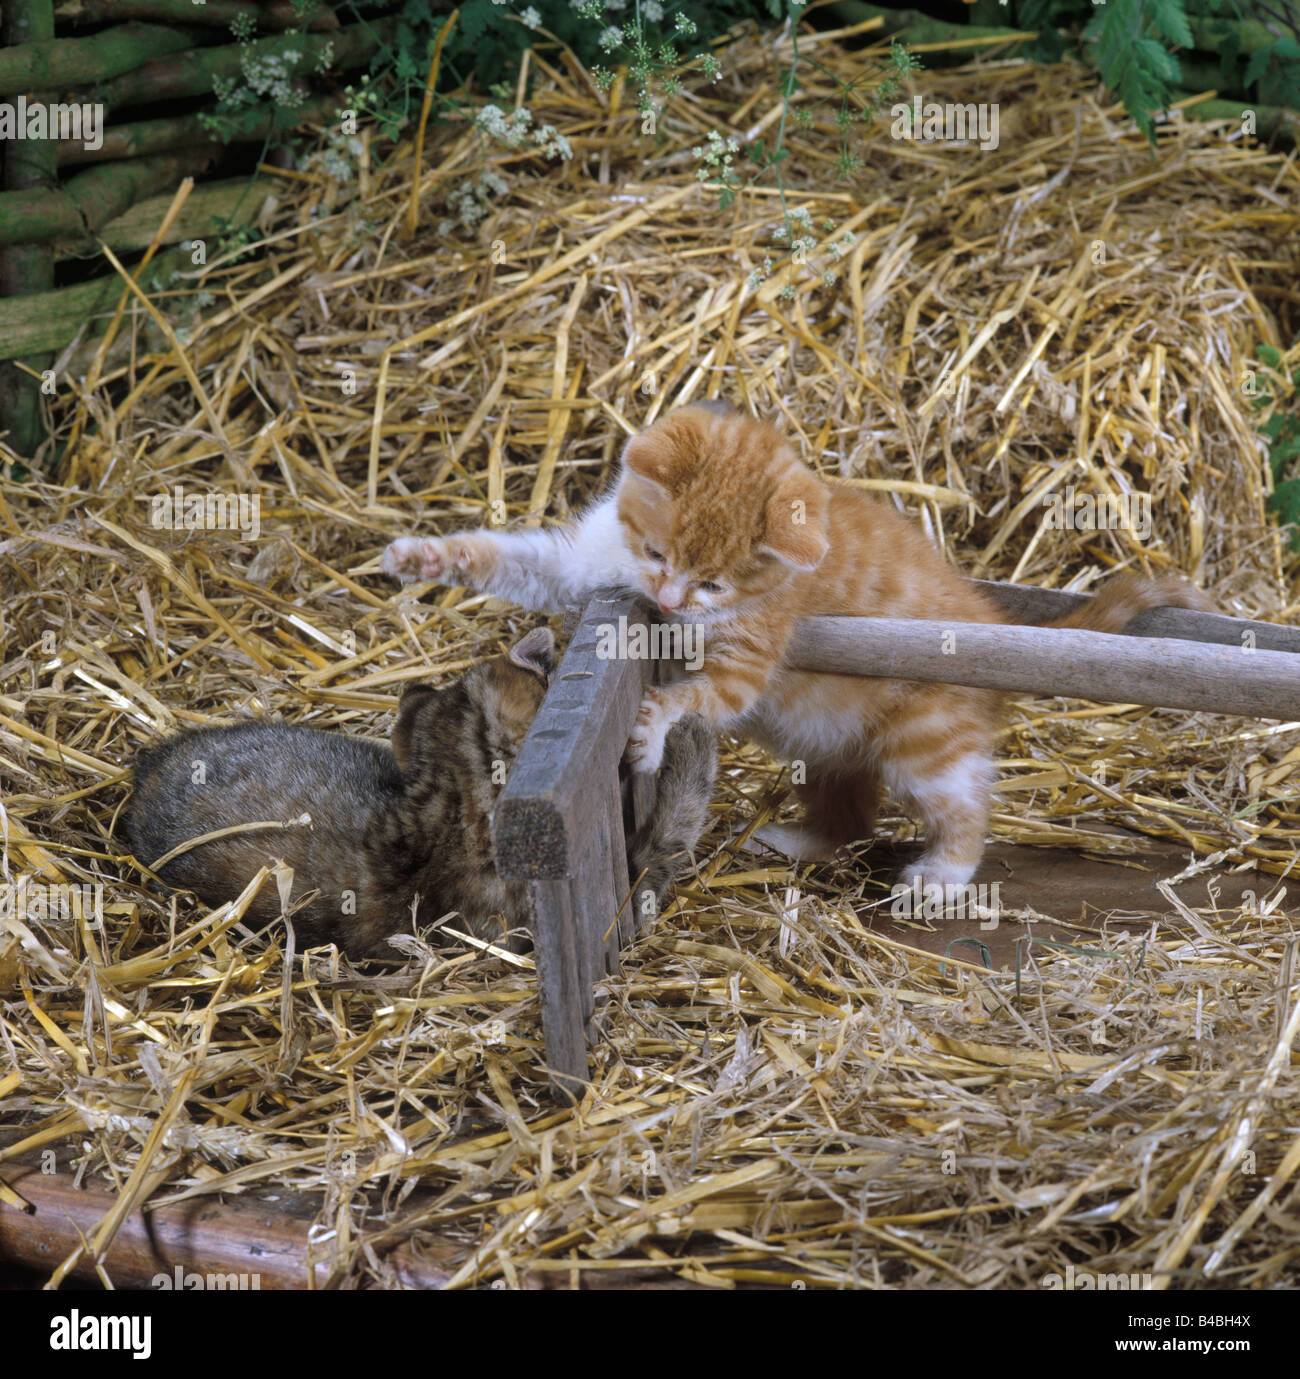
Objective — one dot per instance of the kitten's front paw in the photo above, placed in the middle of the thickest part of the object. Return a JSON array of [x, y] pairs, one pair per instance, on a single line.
[[645, 748], [464, 558], [415, 557]]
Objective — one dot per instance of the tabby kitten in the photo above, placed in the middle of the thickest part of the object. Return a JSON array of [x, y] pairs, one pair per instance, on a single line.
[[392, 833], [716, 520]]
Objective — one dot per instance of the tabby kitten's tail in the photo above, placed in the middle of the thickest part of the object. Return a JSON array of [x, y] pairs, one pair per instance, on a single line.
[[683, 790], [1123, 597]]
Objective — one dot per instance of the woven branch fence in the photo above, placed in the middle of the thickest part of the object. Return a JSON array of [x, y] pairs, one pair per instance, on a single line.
[[109, 174]]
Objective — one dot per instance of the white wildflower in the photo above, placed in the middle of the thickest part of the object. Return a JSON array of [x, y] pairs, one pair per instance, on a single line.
[[469, 200], [553, 143], [510, 130]]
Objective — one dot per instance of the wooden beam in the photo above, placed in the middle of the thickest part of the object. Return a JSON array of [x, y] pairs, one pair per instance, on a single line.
[[90, 199], [563, 988], [30, 165], [191, 73], [279, 14], [49, 320], [265, 1233], [58, 64], [542, 814], [228, 1239], [143, 138], [558, 825], [1041, 660], [238, 200]]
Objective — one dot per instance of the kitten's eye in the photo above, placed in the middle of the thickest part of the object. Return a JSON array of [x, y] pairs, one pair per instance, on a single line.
[[710, 587], [654, 554]]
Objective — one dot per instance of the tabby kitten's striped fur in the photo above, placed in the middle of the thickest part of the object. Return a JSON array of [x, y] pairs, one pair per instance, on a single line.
[[393, 834]]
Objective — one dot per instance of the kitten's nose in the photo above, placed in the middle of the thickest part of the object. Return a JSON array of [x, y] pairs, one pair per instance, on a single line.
[[670, 596]]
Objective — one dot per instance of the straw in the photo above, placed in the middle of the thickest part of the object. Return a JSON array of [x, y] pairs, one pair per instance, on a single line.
[[789, 1088]]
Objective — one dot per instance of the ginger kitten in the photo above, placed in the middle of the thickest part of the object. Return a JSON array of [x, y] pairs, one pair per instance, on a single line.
[[716, 520]]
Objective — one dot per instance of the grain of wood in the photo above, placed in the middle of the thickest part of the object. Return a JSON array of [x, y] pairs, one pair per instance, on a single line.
[[558, 824]]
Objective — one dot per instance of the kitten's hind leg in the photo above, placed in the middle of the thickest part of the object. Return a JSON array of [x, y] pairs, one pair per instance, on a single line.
[[936, 757], [950, 792], [838, 809]]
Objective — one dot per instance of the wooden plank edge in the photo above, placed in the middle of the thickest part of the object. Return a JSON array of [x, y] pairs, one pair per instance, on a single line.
[[582, 726], [214, 1239]]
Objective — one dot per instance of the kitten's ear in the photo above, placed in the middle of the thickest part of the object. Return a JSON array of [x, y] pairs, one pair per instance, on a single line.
[[414, 697], [648, 462], [640, 489], [535, 652], [797, 523]]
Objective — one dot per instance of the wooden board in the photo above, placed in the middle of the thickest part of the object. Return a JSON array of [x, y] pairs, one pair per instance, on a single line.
[[263, 1239], [558, 825], [203, 1242]]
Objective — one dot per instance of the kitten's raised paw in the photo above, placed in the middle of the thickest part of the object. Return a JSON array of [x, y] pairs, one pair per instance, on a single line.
[[645, 748], [414, 557]]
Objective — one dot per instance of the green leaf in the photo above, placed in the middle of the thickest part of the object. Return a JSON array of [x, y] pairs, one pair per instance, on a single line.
[[1285, 501], [1139, 74], [1229, 53], [1169, 18], [473, 21], [1156, 61], [1050, 46], [1256, 67], [1281, 456], [1270, 355]]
